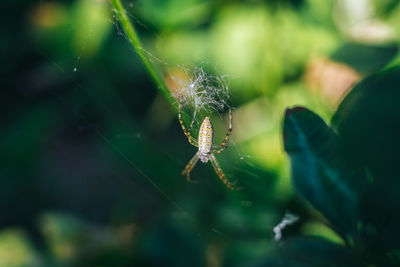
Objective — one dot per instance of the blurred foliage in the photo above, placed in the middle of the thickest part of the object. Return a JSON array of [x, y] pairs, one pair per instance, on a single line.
[[92, 152], [168, 15], [16, 250], [74, 242]]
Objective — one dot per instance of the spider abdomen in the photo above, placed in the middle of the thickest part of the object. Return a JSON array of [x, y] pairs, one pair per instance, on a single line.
[[205, 140]]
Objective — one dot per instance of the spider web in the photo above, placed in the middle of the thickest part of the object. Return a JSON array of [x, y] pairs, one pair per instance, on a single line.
[[203, 92], [199, 90]]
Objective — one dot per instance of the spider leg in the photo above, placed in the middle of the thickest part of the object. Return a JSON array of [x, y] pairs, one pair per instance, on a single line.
[[221, 174], [190, 166], [221, 147], [191, 139]]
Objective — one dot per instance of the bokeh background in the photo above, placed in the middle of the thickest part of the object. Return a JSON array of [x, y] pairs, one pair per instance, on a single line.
[[91, 152]]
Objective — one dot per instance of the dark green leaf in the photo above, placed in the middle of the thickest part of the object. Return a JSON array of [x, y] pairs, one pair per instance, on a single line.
[[366, 59], [318, 170], [368, 121], [317, 252], [310, 251]]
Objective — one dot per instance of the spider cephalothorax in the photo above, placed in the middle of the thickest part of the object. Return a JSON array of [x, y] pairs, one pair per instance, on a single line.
[[206, 147]]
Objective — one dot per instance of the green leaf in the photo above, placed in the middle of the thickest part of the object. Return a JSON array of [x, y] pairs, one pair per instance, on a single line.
[[364, 58], [368, 121], [318, 252], [319, 173]]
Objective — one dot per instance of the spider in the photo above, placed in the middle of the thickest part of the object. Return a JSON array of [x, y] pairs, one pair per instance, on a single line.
[[206, 148]]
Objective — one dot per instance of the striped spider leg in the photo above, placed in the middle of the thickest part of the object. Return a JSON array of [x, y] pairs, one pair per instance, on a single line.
[[191, 139], [206, 149]]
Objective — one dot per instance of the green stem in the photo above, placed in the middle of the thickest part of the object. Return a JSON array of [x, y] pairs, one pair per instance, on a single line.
[[134, 40]]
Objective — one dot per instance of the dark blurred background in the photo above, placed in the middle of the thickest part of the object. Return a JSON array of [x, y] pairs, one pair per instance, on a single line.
[[91, 153]]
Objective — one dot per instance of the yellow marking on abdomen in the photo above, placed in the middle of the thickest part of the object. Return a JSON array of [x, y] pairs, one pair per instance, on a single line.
[[205, 136]]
